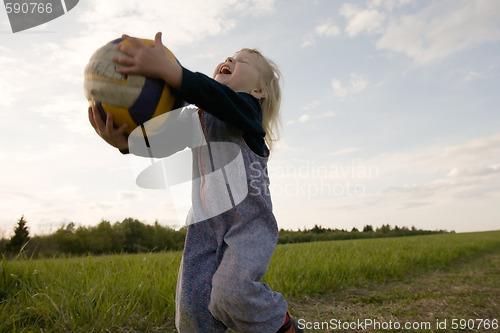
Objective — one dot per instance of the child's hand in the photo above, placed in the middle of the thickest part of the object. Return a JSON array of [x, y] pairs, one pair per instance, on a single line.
[[148, 61], [114, 136]]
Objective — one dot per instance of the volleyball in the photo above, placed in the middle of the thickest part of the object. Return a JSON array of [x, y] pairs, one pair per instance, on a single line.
[[131, 99]]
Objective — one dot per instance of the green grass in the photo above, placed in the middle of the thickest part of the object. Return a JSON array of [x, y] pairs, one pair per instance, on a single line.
[[117, 293], [124, 293], [317, 268]]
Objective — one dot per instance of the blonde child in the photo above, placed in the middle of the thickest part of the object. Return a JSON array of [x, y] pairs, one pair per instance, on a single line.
[[226, 255]]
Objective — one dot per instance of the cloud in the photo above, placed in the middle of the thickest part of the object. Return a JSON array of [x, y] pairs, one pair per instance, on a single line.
[[471, 75], [468, 183], [130, 195], [435, 187], [12, 74], [359, 20], [413, 204], [389, 4], [464, 170], [356, 84], [434, 33], [344, 151], [66, 109], [55, 94], [182, 22], [307, 117], [442, 29], [257, 7], [308, 40], [326, 29]]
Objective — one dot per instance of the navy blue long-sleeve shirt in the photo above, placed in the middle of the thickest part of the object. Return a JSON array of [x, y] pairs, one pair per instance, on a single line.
[[238, 109]]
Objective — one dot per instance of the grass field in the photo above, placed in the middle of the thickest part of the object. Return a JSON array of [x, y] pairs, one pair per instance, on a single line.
[[429, 278]]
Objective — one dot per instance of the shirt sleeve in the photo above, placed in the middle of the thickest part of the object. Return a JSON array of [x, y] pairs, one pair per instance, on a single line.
[[240, 110]]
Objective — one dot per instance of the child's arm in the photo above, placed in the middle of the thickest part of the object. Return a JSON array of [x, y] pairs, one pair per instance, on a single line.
[[240, 110]]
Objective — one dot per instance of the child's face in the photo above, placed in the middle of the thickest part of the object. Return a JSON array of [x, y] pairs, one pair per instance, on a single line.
[[241, 73]]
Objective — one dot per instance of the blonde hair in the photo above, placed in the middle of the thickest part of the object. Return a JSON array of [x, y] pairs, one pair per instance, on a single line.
[[270, 82]]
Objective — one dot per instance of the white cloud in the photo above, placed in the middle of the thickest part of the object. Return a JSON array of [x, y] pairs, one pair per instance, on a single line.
[[473, 75], [356, 84], [344, 151], [326, 29], [51, 87], [452, 171], [389, 4], [308, 40], [257, 7], [443, 29], [437, 31], [67, 109], [468, 183], [182, 22], [436, 187], [12, 74], [368, 20], [339, 91], [306, 117], [130, 195]]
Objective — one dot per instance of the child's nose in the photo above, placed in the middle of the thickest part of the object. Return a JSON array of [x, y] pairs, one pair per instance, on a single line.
[[230, 59]]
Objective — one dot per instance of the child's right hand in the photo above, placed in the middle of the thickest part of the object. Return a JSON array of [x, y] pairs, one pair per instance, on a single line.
[[116, 137]]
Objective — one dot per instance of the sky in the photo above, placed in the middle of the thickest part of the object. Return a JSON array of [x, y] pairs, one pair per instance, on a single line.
[[390, 111]]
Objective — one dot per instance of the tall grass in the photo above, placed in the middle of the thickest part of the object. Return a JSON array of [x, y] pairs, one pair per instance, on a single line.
[[124, 293], [316, 268], [117, 293]]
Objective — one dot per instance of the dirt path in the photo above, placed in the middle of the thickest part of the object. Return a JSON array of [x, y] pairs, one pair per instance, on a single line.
[[466, 296]]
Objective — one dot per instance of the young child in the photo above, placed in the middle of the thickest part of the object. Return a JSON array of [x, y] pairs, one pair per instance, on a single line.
[[226, 255]]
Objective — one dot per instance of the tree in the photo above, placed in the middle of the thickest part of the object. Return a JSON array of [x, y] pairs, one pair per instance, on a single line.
[[21, 236], [368, 228]]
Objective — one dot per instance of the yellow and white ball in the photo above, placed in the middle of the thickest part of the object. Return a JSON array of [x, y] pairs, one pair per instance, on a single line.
[[131, 99]]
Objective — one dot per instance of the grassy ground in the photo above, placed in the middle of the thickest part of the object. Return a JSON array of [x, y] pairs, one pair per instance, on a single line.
[[469, 290], [412, 279]]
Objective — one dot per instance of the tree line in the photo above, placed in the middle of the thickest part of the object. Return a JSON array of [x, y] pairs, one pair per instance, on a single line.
[[134, 236], [318, 233], [127, 236]]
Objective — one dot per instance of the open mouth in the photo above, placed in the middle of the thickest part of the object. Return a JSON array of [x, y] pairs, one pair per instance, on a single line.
[[225, 70]]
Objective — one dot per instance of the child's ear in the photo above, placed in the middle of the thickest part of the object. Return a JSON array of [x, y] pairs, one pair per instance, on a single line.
[[259, 93]]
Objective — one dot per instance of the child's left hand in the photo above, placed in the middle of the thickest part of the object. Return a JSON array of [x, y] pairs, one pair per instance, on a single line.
[[114, 136], [148, 61]]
